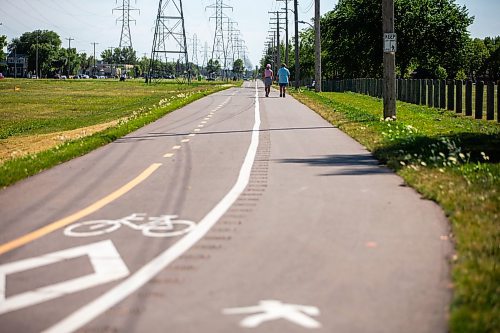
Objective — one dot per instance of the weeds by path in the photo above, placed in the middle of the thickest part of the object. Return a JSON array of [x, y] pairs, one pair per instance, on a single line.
[[452, 160]]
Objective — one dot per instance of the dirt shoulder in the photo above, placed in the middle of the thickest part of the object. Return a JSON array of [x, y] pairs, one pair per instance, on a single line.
[[18, 146]]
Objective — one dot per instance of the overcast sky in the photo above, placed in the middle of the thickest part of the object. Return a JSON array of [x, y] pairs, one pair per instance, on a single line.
[[93, 21]]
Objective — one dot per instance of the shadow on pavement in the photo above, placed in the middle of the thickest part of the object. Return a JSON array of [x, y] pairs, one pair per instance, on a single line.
[[345, 164]]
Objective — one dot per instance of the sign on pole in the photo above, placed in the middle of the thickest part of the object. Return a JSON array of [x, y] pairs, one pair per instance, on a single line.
[[389, 59], [390, 42]]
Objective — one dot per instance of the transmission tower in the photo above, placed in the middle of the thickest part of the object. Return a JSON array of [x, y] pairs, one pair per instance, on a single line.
[[169, 38], [230, 47], [219, 48], [125, 38], [194, 56], [205, 54]]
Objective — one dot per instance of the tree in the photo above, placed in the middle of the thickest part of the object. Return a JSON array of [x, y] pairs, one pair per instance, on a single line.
[[306, 51], [46, 42], [492, 63], [238, 67], [3, 43], [82, 62], [143, 64], [431, 34], [213, 66], [268, 57], [476, 54], [107, 56], [128, 56]]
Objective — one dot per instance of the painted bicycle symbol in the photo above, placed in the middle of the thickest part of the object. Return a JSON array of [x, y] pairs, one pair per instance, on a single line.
[[161, 226]]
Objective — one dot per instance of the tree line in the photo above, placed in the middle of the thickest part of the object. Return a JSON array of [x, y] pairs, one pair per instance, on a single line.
[[46, 47], [432, 42]]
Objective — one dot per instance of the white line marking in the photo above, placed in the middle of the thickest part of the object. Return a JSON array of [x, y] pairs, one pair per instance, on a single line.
[[197, 129], [176, 147], [203, 122], [185, 140], [107, 263], [168, 155], [95, 308], [192, 134], [201, 125]]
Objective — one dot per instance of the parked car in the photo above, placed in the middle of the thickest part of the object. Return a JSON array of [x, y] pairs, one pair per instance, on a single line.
[[81, 76]]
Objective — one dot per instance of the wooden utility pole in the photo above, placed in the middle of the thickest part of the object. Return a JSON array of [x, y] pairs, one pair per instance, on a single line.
[[278, 58], [69, 50], [278, 64], [389, 61], [36, 65], [297, 69], [287, 47], [317, 49], [95, 68]]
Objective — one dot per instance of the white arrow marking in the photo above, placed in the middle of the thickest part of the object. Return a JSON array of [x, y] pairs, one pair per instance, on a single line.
[[107, 263], [268, 310]]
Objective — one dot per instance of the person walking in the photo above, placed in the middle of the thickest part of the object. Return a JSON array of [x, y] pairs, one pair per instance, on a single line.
[[283, 76], [268, 79]]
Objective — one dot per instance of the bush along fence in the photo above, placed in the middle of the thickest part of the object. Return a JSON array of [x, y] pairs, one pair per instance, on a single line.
[[478, 99]]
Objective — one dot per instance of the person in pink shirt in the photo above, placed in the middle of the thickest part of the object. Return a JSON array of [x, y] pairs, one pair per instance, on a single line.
[[268, 79]]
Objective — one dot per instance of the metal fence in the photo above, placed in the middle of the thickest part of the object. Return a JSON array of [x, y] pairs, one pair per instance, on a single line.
[[478, 99]]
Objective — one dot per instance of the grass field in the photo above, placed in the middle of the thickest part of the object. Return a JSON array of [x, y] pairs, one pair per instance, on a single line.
[[46, 122], [453, 160]]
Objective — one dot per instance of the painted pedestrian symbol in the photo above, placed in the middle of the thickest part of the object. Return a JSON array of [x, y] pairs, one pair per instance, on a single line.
[[268, 310]]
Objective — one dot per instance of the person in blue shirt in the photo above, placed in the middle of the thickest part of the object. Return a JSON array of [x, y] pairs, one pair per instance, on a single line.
[[283, 76]]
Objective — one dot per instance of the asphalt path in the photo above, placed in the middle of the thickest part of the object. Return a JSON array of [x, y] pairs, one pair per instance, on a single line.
[[236, 213]]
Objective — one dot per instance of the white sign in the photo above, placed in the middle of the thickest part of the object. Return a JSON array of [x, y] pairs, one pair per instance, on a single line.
[[390, 42], [268, 310], [107, 263]]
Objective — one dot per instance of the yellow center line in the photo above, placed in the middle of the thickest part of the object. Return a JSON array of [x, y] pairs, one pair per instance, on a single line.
[[23, 240]]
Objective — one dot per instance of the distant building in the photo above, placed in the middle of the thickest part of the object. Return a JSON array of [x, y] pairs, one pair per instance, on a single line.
[[17, 65], [110, 70]]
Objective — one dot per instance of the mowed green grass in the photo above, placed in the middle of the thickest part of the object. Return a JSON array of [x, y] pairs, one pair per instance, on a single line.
[[453, 160], [34, 107], [46, 106]]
